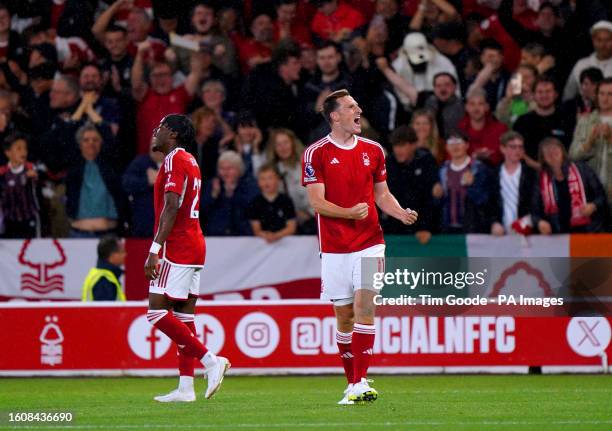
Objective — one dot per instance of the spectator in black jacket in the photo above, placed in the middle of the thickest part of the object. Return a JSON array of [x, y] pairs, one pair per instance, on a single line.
[[138, 181], [570, 197], [411, 174], [94, 198], [274, 93], [512, 188]]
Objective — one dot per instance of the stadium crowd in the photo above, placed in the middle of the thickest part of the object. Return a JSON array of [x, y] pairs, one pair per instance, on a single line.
[[496, 114]]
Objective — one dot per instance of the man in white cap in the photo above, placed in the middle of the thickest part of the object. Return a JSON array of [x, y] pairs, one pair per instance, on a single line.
[[601, 58], [418, 63]]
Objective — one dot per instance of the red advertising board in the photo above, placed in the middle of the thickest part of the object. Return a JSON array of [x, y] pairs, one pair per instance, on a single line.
[[284, 336]]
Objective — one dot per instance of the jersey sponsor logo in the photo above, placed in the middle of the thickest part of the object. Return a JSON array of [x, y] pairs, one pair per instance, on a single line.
[[366, 159], [309, 172], [335, 161], [170, 185]]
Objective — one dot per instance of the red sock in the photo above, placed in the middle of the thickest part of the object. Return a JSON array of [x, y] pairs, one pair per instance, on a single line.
[[343, 339], [177, 332], [363, 342], [186, 364]]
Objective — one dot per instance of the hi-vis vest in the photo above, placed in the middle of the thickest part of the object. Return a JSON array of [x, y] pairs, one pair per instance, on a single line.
[[92, 278]]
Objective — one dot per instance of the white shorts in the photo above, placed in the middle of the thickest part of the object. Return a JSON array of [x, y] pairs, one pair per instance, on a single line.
[[176, 281], [341, 273]]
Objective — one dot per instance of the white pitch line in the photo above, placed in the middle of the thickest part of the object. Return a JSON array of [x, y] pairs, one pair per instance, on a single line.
[[320, 424]]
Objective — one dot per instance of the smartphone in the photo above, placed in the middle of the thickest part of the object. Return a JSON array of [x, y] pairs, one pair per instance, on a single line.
[[516, 84]]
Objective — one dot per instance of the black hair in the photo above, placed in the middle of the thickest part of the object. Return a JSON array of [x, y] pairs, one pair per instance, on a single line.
[[439, 74], [491, 44], [329, 44], [330, 104], [594, 74], [108, 245], [545, 79], [284, 51], [12, 138], [183, 127], [114, 28], [402, 135]]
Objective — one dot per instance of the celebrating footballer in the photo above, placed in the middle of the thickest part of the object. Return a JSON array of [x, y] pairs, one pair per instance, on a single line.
[[345, 176]]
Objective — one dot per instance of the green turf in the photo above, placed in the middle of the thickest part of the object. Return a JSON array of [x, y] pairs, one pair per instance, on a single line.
[[294, 403]]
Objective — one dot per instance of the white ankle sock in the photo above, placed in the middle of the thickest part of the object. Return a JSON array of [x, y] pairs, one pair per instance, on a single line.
[[185, 383], [209, 359]]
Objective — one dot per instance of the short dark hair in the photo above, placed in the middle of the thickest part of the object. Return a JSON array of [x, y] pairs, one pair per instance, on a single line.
[[183, 127], [447, 74], [549, 5], [269, 167], [330, 104], [328, 44], [491, 44], [402, 135], [284, 51], [12, 138], [510, 135], [108, 245], [545, 79], [114, 28], [593, 73], [535, 48], [280, 3]]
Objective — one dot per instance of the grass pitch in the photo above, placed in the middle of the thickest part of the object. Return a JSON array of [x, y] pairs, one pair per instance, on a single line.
[[309, 403]]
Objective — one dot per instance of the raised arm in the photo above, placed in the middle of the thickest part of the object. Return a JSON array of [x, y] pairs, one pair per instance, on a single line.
[[139, 86], [106, 17], [397, 81], [195, 73]]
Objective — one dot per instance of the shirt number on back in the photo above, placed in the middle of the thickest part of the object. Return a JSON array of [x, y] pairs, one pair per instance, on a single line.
[[197, 185]]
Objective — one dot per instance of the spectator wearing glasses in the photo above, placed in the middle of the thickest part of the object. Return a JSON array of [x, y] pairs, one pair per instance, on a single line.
[[512, 188]]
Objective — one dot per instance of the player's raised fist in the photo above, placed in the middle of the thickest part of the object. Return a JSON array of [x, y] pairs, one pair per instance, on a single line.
[[151, 267], [409, 216], [359, 211]]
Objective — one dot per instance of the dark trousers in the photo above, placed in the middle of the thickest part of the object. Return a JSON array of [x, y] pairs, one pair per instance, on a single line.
[[21, 228]]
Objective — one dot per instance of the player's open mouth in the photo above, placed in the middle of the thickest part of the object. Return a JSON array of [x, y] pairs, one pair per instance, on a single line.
[[357, 121]]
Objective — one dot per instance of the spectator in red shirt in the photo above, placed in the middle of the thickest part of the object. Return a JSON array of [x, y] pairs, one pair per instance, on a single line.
[[157, 98], [482, 128], [335, 20], [257, 49], [287, 26]]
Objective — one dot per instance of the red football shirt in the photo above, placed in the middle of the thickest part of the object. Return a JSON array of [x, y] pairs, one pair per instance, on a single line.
[[180, 174], [326, 26], [153, 108], [349, 175]]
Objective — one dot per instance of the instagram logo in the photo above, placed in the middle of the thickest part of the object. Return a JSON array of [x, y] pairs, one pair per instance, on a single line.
[[257, 335]]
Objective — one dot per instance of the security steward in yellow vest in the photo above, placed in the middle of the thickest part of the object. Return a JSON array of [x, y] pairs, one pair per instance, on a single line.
[[102, 282]]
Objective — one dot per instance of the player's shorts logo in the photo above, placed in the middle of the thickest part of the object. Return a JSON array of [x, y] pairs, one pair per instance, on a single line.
[[257, 335], [309, 170], [366, 159]]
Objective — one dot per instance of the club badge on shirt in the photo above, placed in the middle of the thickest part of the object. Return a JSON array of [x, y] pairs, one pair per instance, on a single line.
[[366, 159]]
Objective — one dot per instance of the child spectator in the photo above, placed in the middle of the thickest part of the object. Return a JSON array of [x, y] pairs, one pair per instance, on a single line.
[[271, 213], [463, 189], [18, 190]]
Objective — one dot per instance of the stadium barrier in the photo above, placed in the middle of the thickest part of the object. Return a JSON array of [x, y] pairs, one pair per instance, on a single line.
[[248, 268], [289, 336]]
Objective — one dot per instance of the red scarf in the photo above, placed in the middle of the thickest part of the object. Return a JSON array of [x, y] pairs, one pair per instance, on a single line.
[[577, 196]]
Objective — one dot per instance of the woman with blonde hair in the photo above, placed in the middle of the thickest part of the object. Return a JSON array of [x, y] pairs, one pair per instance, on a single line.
[[424, 124], [285, 151]]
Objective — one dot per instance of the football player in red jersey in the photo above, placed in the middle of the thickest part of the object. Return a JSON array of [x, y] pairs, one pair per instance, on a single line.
[[345, 176], [175, 279]]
